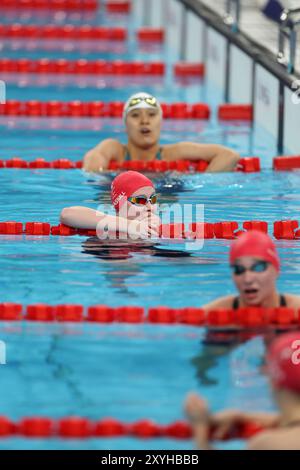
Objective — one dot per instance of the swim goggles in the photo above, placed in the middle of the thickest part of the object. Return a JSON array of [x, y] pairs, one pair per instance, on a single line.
[[151, 100], [258, 267], [143, 200]]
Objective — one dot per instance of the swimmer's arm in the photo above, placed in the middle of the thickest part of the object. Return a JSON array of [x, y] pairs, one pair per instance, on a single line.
[[98, 158], [268, 441], [224, 422], [219, 157], [222, 302], [86, 218]]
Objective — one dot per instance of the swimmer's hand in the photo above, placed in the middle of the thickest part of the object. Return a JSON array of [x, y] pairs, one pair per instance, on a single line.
[[197, 412], [97, 159], [225, 422], [93, 161], [196, 409], [147, 226]]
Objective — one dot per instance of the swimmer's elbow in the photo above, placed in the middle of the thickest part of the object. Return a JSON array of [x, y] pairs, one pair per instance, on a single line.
[[230, 158], [67, 215], [234, 156], [230, 155]]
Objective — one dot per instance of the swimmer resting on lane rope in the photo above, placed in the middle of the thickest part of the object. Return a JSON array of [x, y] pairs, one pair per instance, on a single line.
[[135, 201], [255, 268], [282, 430], [142, 116]]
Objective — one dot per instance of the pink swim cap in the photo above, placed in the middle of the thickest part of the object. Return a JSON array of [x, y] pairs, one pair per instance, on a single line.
[[283, 361], [125, 184], [257, 244]]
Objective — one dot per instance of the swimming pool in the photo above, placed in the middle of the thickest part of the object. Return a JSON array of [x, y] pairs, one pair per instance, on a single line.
[[125, 371]]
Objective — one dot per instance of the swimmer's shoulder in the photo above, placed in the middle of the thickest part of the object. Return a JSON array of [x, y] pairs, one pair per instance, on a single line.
[[277, 439], [220, 303], [113, 148], [170, 152]]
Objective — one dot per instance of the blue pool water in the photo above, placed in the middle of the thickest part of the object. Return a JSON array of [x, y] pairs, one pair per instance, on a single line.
[[125, 371]]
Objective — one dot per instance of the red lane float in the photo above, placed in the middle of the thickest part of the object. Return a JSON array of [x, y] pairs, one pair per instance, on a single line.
[[40, 312], [286, 163], [244, 317], [63, 5], [16, 163], [10, 311], [75, 427], [248, 165], [118, 6], [66, 32], [80, 67], [11, 228], [189, 69], [83, 428], [35, 427], [113, 109], [146, 429], [231, 112], [147, 34], [37, 228], [110, 427], [286, 230]]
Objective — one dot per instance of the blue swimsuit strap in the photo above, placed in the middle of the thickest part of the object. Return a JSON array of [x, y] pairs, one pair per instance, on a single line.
[[157, 157]]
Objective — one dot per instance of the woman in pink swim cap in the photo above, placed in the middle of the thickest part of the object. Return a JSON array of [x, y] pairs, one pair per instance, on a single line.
[[255, 266], [281, 430], [135, 201]]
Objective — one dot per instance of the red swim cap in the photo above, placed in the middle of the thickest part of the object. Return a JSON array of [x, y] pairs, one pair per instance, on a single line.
[[283, 361], [125, 184], [257, 244]]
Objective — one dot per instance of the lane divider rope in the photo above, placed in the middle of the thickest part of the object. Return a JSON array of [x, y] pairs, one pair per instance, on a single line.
[[80, 66], [227, 230], [84, 428], [83, 32], [68, 31], [246, 165], [243, 318], [99, 108], [196, 230], [112, 109], [50, 4], [97, 67]]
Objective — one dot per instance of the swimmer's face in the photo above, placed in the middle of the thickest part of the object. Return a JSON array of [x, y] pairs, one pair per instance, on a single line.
[[257, 284], [143, 127], [139, 211]]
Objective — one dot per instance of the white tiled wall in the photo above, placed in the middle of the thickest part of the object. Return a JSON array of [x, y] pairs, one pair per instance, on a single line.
[[292, 119], [216, 59], [241, 76], [266, 100], [156, 16], [173, 17], [195, 38]]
